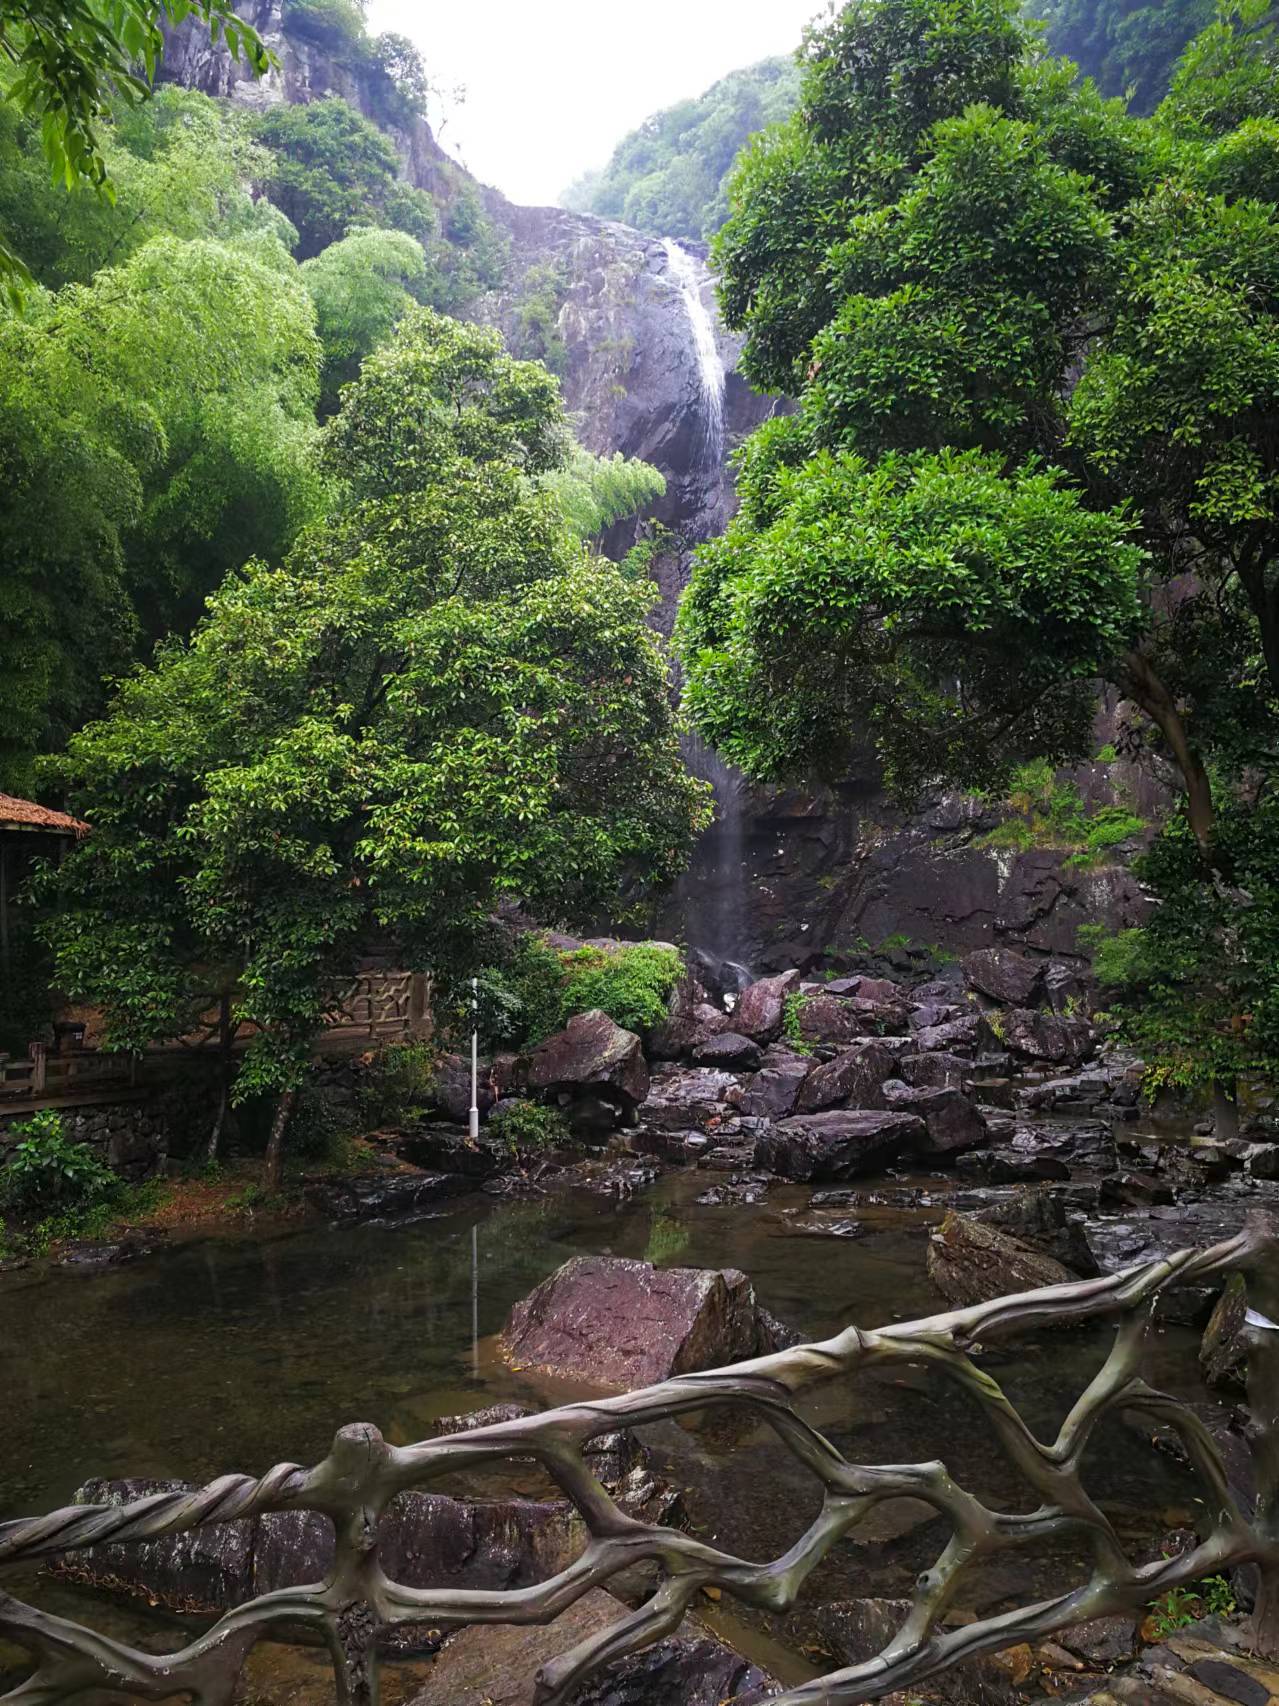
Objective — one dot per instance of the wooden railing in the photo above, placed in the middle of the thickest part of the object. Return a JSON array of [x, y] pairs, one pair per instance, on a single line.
[[362, 1474], [43, 1074]]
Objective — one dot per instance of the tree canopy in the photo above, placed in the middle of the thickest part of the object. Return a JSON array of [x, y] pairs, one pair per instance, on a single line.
[[439, 700], [1035, 342]]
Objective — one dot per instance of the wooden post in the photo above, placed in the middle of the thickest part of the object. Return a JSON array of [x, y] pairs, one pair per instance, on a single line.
[[39, 1067]]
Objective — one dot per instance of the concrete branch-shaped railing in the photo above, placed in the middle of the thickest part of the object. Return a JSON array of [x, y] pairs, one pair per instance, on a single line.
[[354, 1485]]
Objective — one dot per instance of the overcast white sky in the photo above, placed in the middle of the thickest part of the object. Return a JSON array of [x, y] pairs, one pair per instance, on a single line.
[[553, 85]]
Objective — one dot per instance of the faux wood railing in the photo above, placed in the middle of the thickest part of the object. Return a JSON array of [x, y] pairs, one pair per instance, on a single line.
[[362, 1474]]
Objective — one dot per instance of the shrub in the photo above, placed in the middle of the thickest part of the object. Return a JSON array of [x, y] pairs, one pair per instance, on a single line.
[[399, 1083], [317, 1129], [792, 1022], [632, 985], [527, 1127], [45, 1171], [543, 989]]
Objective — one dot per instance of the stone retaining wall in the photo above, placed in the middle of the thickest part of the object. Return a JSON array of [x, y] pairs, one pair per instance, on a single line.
[[132, 1136]]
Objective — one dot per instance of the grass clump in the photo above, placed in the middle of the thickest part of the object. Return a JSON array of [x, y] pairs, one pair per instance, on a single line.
[[529, 1128]]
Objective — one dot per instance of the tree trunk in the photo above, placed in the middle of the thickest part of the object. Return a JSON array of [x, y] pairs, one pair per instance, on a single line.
[[225, 1037], [1145, 688], [1225, 1109], [273, 1166]]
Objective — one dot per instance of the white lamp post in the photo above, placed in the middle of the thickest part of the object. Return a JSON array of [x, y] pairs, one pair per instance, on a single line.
[[475, 1058]]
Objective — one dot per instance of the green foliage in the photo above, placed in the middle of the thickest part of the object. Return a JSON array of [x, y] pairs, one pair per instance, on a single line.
[[1053, 814], [317, 1130], [632, 984], [64, 63], [1126, 45], [44, 1170], [793, 1021], [540, 989], [668, 177], [537, 334], [437, 703], [149, 444], [1180, 1607], [398, 1084], [595, 491], [362, 287], [528, 1128]]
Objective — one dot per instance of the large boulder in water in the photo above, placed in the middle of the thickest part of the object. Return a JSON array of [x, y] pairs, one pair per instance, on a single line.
[[762, 1007], [1004, 975], [497, 1665], [591, 1053], [953, 1122], [841, 1144], [970, 1262], [615, 1322]]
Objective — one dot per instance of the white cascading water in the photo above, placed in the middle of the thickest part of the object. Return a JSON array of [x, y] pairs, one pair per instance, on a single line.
[[692, 281], [721, 928]]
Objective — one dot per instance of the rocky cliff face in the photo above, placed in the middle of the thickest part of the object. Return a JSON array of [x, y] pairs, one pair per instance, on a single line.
[[785, 876]]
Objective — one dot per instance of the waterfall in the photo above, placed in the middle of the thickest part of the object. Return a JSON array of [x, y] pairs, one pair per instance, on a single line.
[[692, 280], [719, 924]]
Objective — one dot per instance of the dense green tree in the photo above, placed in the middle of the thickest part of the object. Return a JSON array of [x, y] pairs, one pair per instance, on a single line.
[[1036, 346], [64, 63], [362, 286], [669, 176], [1126, 45], [149, 445], [441, 701]]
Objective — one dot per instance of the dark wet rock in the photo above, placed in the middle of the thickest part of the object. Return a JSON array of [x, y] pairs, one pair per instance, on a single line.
[[591, 1053], [924, 1015], [449, 1149], [383, 1196], [741, 1189], [686, 1098], [971, 1262], [1045, 1220], [952, 1121], [497, 1664], [938, 1071], [680, 1038], [830, 1019], [1004, 975], [1079, 1143], [762, 1007], [966, 1033], [1065, 988], [772, 1092], [1010, 1167], [1263, 1163], [1135, 1190], [1223, 1354], [1046, 1036], [857, 1630], [428, 1540], [853, 1079], [1102, 1642], [877, 989], [819, 1223], [451, 1088], [102, 1253], [1126, 1241], [620, 1323], [730, 1051], [841, 1144]]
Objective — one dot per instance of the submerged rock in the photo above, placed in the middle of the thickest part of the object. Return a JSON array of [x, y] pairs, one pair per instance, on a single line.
[[842, 1144], [971, 1262], [383, 1196], [615, 1322]]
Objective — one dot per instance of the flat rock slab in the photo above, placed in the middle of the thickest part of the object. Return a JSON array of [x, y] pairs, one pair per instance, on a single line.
[[842, 1144], [619, 1323], [498, 1665]]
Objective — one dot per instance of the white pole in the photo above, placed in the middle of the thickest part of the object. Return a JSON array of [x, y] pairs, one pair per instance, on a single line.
[[475, 1058]]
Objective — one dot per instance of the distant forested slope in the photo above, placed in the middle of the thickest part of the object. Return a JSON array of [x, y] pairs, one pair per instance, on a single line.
[[1125, 44], [669, 176]]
